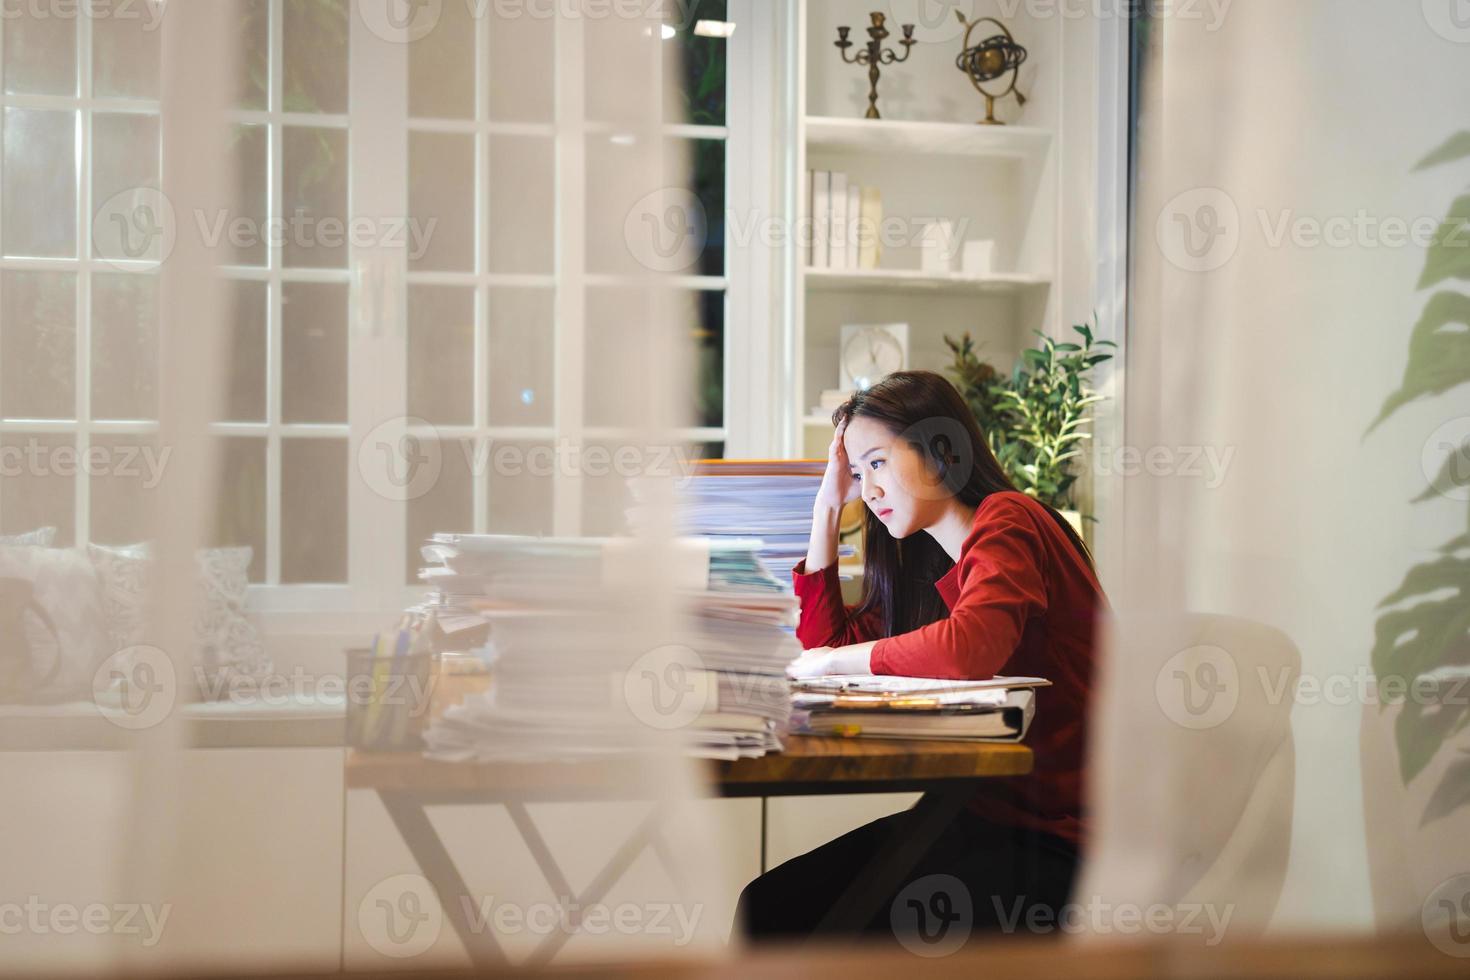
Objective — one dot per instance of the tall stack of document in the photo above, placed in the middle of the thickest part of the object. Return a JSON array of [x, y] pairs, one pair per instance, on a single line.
[[727, 500], [714, 681], [473, 575]]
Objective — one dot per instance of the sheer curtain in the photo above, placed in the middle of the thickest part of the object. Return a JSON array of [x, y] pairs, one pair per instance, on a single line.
[[1295, 551], [142, 822]]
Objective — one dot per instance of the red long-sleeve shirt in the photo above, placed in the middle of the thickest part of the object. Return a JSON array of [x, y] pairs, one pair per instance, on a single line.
[[1022, 602]]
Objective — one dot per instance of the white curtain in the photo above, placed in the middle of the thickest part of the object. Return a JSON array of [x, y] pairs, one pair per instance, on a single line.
[[1298, 543]]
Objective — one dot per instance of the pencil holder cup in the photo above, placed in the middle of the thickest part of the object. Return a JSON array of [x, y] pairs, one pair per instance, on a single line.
[[389, 700]]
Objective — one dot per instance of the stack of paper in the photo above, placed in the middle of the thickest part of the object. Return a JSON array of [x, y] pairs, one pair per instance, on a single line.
[[772, 502], [561, 687], [999, 709]]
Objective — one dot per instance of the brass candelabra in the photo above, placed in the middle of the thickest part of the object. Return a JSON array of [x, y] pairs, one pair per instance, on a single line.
[[874, 54]]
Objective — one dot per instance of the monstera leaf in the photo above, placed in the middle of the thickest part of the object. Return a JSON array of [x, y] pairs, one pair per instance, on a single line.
[[1422, 636], [1439, 354], [1457, 147], [1452, 792], [1448, 257], [1412, 643]]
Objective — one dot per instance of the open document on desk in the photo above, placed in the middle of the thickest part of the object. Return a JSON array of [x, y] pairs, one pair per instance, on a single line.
[[998, 709]]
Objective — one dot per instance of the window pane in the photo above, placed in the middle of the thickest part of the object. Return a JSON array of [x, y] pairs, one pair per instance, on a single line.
[[522, 204], [125, 48], [313, 510], [641, 222], [620, 345], [239, 231], [40, 52], [699, 63], [40, 170], [441, 66], [521, 89], [315, 62], [706, 325], [245, 353], [618, 323], [254, 67], [441, 189], [38, 337], [448, 506], [605, 494], [124, 470], [522, 356], [441, 354], [314, 197], [34, 492], [124, 346], [314, 352], [240, 518], [521, 487], [125, 154], [704, 162], [624, 94]]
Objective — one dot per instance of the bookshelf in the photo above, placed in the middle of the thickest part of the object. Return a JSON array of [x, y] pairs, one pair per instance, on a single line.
[[1008, 184]]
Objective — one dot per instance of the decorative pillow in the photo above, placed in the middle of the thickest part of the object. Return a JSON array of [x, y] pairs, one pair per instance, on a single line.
[[230, 647], [41, 537], [41, 662], [230, 650]]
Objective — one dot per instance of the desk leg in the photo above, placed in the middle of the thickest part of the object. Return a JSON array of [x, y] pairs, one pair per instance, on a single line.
[[438, 867], [644, 836], [882, 875]]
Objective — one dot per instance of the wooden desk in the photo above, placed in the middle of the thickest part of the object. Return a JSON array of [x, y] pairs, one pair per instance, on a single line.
[[946, 773]]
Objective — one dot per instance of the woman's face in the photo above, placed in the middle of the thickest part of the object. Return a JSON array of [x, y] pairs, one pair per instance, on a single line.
[[897, 486]]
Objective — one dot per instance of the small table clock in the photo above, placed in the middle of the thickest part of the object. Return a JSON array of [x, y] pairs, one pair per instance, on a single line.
[[870, 352]]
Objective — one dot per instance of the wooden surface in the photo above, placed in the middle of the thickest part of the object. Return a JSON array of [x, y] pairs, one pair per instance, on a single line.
[[1352, 956], [839, 764]]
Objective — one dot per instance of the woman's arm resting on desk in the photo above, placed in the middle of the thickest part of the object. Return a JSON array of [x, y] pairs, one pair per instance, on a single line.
[[853, 659]]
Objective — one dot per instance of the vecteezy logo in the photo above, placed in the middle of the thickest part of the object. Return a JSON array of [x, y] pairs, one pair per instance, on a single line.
[[666, 230], [1446, 459], [668, 687], [933, 916], [400, 459], [1198, 687], [400, 916], [1450, 19], [945, 447], [135, 225], [400, 21], [136, 687], [934, 20], [1199, 230], [1446, 916]]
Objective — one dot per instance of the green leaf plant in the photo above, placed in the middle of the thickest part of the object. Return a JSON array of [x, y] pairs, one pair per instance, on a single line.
[[1422, 636], [1036, 420]]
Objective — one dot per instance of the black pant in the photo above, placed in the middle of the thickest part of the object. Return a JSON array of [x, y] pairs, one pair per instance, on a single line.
[[975, 877]]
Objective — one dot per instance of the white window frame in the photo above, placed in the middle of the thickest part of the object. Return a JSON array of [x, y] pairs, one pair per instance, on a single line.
[[378, 126]]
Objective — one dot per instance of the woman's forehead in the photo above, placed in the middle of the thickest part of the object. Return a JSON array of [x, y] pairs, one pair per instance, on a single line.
[[863, 434]]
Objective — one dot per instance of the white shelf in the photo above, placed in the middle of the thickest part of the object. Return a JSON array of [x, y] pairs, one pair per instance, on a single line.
[[836, 134], [814, 421], [864, 280]]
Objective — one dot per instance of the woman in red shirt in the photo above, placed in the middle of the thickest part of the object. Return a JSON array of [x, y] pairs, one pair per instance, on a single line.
[[964, 578]]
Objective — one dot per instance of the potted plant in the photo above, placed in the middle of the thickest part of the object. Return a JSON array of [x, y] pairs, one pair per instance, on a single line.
[[1036, 419]]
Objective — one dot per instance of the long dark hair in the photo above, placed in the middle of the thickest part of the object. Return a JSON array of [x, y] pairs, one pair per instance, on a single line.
[[927, 412]]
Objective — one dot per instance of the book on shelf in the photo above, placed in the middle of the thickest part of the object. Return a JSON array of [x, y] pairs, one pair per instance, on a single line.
[[846, 222], [821, 218], [870, 224], [837, 228]]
